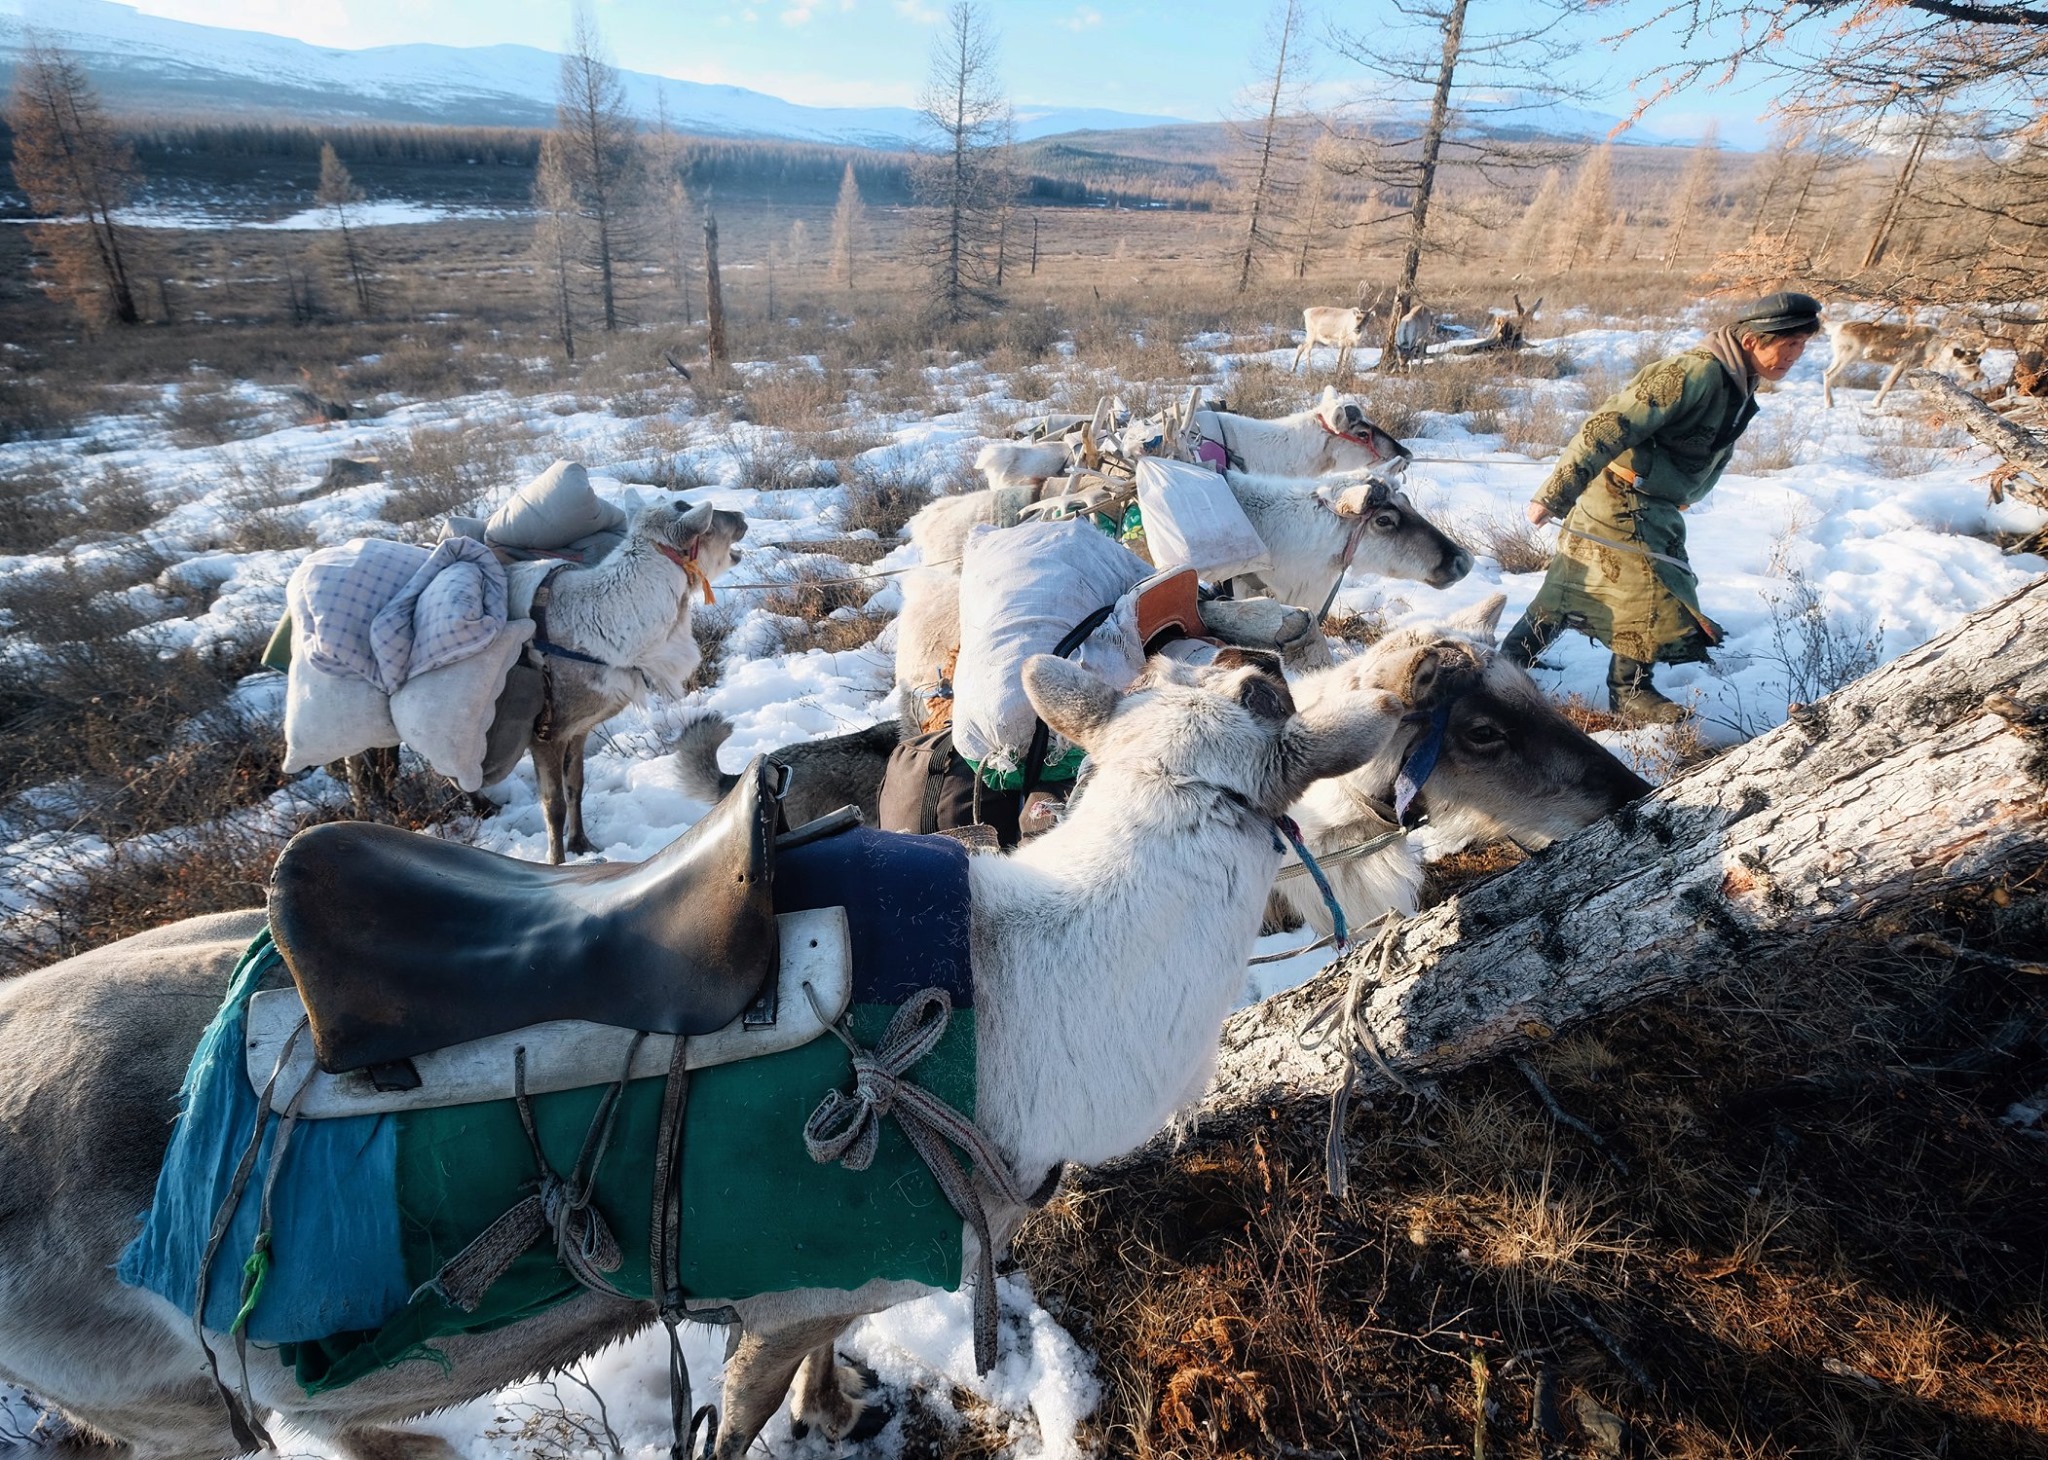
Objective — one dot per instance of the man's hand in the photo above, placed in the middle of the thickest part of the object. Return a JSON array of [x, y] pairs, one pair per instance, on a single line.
[[1538, 514]]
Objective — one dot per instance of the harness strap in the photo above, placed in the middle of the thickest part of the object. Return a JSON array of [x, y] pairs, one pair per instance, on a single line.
[[1420, 763], [1286, 826], [1041, 733], [1344, 563], [691, 571], [847, 1128]]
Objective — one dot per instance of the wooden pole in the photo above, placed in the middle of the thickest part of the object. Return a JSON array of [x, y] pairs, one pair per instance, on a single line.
[[714, 299]]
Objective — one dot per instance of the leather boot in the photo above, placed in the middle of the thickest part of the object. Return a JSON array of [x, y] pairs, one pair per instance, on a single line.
[[1631, 695], [1529, 638]]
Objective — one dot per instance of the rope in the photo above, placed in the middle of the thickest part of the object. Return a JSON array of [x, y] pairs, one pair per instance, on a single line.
[[1323, 942], [1286, 826], [840, 582], [1346, 854], [1627, 547], [846, 1129], [1345, 1017]]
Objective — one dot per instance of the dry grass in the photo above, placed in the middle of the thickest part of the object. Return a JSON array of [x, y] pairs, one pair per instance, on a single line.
[[1507, 538], [436, 470], [1823, 1242]]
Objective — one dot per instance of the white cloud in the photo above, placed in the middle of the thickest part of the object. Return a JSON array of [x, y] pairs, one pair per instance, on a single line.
[[920, 12], [1085, 17]]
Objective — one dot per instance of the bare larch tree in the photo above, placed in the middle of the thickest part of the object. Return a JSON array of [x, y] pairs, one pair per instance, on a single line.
[[1263, 145], [72, 167], [959, 181], [849, 222], [1475, 81], [558, 236], [339, 195], [597, 137]]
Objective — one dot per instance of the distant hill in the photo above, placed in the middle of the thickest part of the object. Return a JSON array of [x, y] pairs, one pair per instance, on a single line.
[[143, 63]]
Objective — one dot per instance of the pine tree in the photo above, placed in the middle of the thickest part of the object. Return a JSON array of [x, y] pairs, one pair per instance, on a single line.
[[849, 223], [1692, 207], [1589, 217], [558, 235], [339, 194], [72, 167], [1535, 235]]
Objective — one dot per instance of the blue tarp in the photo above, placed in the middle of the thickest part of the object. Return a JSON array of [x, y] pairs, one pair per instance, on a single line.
[[337, 1197]]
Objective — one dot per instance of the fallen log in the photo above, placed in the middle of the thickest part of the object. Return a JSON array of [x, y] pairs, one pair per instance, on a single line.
[[1930, 773], [2024, 451]]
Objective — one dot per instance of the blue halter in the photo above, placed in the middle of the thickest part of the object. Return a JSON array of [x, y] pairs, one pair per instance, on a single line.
[[1421, 761]]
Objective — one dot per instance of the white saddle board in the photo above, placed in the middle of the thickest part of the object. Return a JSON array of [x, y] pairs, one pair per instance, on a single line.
[[565, 1054]]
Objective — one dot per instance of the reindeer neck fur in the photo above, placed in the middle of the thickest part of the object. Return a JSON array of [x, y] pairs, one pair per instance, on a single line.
[[631, 610], [1107, 954]]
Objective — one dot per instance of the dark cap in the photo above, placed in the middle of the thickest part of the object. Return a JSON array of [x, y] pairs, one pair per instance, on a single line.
[[1783, 313]]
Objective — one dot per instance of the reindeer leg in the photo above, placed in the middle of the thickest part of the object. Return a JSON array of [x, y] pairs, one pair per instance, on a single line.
[[1299, 351], [757, 1377], [1889, 381], [572, 777], [822, 1401], [547, 782], [1827, 384]]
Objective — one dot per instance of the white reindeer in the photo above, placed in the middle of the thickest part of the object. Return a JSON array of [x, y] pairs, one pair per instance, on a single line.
[[1324, 325], [631, 612], [1902, 346], [1106, 956]]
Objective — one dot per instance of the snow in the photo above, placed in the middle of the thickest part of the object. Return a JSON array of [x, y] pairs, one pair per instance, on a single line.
[[1883, 523]]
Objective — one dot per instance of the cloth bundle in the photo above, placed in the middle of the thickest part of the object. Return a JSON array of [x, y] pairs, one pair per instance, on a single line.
[[1022, 589]]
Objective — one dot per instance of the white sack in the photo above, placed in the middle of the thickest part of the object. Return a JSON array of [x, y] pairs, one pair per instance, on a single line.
[[1193, 520], [1022, 589], [553, 510], [445, 714], [329, 716]]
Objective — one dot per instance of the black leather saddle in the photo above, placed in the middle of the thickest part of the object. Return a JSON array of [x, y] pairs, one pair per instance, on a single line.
[[401, 944]]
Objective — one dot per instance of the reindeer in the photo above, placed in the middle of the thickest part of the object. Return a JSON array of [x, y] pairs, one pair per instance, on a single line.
[[1510, 331], [1509, 765], [1412, 336], [1323, 325], [1902, 346], [626, 624], [1106, 956]]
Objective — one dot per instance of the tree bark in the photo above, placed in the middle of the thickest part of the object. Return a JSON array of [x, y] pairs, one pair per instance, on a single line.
[[714, 298], [2025, 450], [1929, 772]]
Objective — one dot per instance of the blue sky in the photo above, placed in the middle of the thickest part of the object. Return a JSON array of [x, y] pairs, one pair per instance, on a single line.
[[1188, 58]]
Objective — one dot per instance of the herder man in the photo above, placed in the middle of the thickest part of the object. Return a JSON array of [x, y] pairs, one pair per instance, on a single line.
[[1620, 574]]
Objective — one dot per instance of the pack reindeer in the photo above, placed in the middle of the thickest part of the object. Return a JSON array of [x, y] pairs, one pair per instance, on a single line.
[[614, 632], [1902, 346], [1507, 764], [1105, 957], [1414, 334]]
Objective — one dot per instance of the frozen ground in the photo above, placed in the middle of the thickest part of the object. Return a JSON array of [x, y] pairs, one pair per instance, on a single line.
[[1872, 537]]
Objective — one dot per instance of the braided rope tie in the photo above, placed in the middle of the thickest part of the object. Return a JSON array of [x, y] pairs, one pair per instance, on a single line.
[[846, 1128], [1344, 1018]]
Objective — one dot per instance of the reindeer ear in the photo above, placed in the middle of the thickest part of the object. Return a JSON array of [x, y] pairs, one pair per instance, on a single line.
[[695, 522], [1070, 697], [1481, 618], [1329, 395], [1337, 734]]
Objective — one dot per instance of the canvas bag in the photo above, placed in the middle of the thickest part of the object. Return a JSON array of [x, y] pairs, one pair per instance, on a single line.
[[1193, 520]]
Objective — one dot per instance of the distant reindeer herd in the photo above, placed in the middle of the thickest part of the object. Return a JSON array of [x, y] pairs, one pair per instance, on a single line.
[[1954, 349]]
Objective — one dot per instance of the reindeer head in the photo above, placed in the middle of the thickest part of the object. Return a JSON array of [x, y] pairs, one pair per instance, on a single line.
[[704, 535], [1344, 416], [1508, 763], [1227, 726], [1393, 539]]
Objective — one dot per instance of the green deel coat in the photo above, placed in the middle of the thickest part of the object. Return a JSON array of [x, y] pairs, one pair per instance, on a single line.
[[1674, 426]]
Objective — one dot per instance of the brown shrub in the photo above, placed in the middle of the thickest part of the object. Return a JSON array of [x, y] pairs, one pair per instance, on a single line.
[[436, 470], [1506, 538], [880, 503]]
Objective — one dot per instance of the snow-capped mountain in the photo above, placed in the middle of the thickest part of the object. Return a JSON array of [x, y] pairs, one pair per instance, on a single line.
[[145, 62]]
